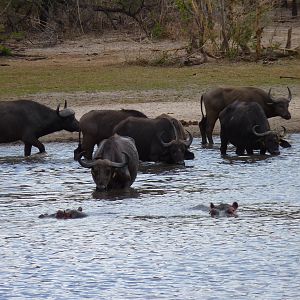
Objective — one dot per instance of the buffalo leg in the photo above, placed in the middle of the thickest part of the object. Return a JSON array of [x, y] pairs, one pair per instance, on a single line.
[[249, 151], [32, 141], [202, 127], [27, 149], [240, 151], [88, 149], [210, 124], [263, 151], [224, 143]]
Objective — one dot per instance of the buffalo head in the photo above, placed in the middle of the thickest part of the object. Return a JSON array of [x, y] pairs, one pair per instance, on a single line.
[[281, 105], [104, 170], [270, 139], [175, 149], [67, 118]]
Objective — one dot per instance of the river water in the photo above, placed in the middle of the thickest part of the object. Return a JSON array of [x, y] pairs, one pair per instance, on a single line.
[[157, 240]]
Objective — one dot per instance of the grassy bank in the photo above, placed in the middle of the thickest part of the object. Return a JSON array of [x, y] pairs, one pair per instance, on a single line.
[[21, 78]]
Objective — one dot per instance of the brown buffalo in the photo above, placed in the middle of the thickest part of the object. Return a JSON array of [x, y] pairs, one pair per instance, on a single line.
[[217, 99], [97, 125]]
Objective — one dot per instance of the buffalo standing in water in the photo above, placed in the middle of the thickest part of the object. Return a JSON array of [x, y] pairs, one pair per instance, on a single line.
[[97, 125], [245, 125], [217, 99], [155, 139], [27, 121], [114, 164], [186, 139]]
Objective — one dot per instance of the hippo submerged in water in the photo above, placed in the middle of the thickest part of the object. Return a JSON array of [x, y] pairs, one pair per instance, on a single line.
[[228, 210], [66, 214]]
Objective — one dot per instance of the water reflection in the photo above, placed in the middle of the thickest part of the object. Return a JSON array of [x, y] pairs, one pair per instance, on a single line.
[[155, 240], [114, 195]]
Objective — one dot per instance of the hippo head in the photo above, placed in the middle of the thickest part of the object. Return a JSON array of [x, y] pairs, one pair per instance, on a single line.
[[223, 210]]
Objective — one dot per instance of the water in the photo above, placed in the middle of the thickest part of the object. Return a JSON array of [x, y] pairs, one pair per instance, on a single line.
[[157, 240]]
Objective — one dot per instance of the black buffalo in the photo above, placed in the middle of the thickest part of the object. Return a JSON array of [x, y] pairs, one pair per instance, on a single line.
[[187, 139], [114, 164], [155, 139], [97, 125], [245, 125], [27, 121], [217, 99]]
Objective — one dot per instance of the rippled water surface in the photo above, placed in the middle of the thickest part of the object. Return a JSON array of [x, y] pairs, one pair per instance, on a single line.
[[157, 240]]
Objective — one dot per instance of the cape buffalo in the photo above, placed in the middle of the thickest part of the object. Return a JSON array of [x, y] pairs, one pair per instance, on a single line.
[[27, 121], [217, 99], [97, 125], [245, 125], [186, 139], [155, 139], [114, 164], [223, 210]]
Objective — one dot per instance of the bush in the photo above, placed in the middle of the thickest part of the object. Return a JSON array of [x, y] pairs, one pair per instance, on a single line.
[[4, 51]]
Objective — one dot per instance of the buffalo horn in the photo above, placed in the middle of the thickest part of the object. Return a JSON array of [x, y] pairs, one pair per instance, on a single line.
[[117, 165], [57, 109], [270, 97], [283, 133], [189, 140], [290, 94], [175, 132], [85, 163], [262, 133], [168, 144]]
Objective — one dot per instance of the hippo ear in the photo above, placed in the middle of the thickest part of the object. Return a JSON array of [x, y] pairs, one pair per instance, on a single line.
[[212, 205], [235, 205]]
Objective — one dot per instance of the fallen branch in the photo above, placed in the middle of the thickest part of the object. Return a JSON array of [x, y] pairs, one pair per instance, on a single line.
[[289, 77]]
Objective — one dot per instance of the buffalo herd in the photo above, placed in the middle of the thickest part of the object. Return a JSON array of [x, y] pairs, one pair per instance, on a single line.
[[125, 137]]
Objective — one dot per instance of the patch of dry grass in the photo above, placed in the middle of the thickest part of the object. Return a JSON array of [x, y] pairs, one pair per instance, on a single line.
[[22, 78]]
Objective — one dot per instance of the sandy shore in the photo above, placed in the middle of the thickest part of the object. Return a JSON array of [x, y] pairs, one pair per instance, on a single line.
[[182, 109]]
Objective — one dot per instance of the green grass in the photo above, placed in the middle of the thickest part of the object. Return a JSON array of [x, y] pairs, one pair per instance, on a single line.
[[20, 79]]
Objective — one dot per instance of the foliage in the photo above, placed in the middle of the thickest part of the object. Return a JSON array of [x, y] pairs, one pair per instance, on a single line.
[[224, 27], [4, 51]]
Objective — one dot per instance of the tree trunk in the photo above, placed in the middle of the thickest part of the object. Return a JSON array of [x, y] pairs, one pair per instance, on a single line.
[[294, 8]]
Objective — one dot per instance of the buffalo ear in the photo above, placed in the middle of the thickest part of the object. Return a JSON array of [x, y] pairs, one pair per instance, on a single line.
[[284, 143], [212, 205], [235, 205]]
